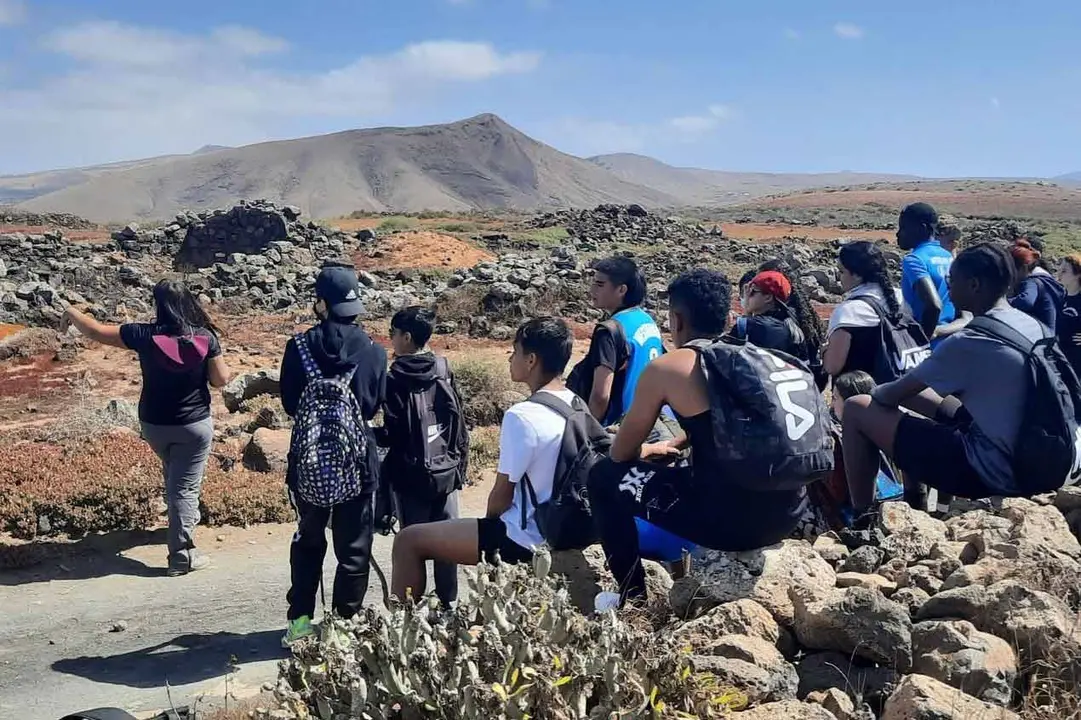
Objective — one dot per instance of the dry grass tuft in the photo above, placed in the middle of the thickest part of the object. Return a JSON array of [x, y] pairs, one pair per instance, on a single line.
[[487, 390]]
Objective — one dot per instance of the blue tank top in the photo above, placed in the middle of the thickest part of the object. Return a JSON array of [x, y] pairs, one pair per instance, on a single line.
[[644, 343]]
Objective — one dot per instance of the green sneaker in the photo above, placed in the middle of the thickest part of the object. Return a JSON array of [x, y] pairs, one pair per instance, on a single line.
[[297, 630]]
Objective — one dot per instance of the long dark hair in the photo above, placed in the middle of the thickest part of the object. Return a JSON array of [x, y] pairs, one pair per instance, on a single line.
[[865, 259], [178, 310], [799, 307]]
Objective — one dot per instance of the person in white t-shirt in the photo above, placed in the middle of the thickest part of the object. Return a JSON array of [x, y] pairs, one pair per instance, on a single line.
[[853, 337], [529, 445]]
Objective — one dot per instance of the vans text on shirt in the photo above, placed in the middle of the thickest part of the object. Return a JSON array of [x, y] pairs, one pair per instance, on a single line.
[[529, 444]]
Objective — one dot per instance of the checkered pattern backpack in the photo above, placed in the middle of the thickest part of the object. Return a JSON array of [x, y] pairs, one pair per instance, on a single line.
[[329, 447]]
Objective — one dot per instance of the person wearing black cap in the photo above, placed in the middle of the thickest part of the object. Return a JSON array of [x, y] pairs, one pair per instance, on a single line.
[[338, 346]]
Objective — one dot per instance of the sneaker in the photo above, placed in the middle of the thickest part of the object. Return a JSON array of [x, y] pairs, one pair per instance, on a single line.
[[606, 601], [297, 630], [184, 564]]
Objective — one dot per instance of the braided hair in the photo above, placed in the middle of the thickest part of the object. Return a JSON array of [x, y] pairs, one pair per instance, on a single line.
[[991, 264], [866, 260], [805, 316]]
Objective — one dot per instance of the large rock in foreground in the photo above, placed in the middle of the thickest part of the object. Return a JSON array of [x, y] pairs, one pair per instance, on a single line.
[[248, 386], [919, 697], [855, 620], [764, 576], [961, 656]]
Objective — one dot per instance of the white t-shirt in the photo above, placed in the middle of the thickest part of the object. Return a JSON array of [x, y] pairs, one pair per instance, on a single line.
[[856, 313], [529, 444]]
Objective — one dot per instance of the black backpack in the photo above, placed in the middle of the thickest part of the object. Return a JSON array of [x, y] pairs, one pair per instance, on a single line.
[[771, 427], [438, 440], [1047, 452], [903, 346], [564, 520]]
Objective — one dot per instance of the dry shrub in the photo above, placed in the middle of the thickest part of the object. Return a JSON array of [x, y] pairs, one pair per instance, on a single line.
[[483, 452], [461, 303], [109, 483], [487, 390], [242, 497]]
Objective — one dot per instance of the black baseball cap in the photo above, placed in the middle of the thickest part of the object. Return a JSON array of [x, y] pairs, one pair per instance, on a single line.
[[339, 288]]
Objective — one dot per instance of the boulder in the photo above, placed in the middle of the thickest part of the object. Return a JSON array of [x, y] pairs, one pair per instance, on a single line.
[[919, 697], [268, 451], [740, 617], [869, 581], [246, 387], [587, 575], [910, 534], [831, 549], [920, 576], [864, 560], [911, 598], [1040, 525], [961, 656], [837, 702], [855, 620], [751, 664], [762, 575], [822, 671], [1067, 499]]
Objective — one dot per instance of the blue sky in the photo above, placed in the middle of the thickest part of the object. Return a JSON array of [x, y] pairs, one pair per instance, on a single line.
[[957, 88]]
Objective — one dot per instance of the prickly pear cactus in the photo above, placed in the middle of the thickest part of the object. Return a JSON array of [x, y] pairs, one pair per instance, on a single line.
[[515, 648]]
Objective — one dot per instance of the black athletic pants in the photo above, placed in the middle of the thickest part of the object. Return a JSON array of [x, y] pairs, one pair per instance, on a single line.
[[351, 530], [434, 507], [708, 513]]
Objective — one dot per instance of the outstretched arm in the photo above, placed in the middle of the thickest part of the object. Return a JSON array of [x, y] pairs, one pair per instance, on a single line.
[[943, 331], [91, 328]]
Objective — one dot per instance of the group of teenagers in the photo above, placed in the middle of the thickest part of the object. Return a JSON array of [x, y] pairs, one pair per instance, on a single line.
[[928, 383]]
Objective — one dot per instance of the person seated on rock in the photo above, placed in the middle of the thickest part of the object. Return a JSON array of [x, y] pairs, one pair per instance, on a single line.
[[179, 357], [969, 396], [621, 346], [322, 494], [854, 334], [1037, 292], [425, 435], [530, 441], [777, 316], [830, 501], [685, 498]]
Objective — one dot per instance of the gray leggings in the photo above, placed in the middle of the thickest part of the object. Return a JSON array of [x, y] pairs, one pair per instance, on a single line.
[[183, 450]]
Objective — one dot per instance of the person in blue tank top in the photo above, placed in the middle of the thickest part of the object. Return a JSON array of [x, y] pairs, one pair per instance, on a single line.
[[924, 271], [621, 346]]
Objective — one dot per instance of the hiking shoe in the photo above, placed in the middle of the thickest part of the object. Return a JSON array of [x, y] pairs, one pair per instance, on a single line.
[[184, 564], [297, 629]]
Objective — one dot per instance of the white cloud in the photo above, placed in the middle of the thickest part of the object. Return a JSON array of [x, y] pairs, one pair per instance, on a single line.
[[792, 34], [136, 91], [597, 137], [995, 103], [12, 12], [848, 31], [699, 124]]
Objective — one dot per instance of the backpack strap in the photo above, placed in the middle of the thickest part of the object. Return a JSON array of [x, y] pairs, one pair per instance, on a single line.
[[876, 305], [529, 495], [311, 369], [554, 403], [1003, 332], [442, 367]]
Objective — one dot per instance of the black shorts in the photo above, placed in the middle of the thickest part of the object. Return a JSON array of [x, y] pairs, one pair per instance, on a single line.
[[934, 454], [492, 538]]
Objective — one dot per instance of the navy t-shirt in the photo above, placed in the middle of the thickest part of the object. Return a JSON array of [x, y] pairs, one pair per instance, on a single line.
[[169, 397]]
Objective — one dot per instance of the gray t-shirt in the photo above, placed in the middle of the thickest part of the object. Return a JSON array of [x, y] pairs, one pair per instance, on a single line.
[[988, 378]]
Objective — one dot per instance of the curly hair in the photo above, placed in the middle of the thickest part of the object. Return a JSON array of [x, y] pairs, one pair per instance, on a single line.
[[704, 297], [867, 261], [808, 321]]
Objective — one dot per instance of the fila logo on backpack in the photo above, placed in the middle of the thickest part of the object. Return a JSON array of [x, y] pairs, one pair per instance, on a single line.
[[329, 445], [789, 384], [770, 424]]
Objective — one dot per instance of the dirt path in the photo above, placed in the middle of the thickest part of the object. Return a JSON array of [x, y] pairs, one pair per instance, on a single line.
[[62, 648]]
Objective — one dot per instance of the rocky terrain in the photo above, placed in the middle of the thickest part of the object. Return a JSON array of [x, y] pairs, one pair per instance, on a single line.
[[973, 617]]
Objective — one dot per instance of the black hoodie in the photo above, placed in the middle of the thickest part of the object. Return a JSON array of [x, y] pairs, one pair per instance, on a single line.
[[407, 374], [336, 348]]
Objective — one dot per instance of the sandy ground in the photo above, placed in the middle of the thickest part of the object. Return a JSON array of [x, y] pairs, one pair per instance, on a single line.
[[62, 648], [420, 249]]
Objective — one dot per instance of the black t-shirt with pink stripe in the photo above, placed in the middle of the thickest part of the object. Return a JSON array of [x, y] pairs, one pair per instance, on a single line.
[[170, 396]]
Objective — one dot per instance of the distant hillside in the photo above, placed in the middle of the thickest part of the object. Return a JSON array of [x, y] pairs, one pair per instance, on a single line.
[[481, 162], [694, 186], [1069, 178]]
